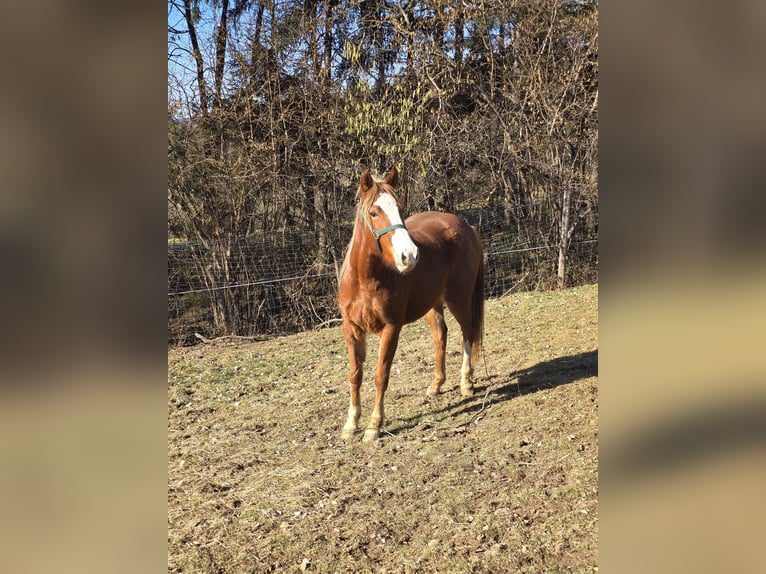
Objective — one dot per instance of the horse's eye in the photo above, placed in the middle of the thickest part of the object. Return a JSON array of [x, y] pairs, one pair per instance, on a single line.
[[373, 214]]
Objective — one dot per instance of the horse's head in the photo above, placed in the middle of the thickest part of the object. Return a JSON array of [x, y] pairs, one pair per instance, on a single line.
[[380, 213]]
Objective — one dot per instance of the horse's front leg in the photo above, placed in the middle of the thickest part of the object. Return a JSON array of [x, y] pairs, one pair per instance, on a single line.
[[356, 343], [389, 339]]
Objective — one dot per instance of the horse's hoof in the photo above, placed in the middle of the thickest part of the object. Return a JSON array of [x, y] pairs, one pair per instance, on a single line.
[[346, 434], [467, 391], [371, 435], [435, 388]]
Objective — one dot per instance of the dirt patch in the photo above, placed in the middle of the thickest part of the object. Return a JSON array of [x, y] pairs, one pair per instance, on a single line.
[[506, 481]]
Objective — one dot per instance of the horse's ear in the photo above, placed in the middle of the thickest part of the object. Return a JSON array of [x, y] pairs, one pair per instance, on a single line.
[[365, 183], [392, 178]]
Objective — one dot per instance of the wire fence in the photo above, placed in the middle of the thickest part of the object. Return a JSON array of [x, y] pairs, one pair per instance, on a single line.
[[279, 283]]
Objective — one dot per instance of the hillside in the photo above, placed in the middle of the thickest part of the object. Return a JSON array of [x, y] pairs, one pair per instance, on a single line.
[[259, 480]]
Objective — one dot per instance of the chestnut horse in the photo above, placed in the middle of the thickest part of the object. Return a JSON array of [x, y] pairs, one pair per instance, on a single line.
[[395, 273]]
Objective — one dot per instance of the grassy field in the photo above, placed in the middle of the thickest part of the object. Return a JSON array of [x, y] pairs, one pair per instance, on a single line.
[[506, 481]]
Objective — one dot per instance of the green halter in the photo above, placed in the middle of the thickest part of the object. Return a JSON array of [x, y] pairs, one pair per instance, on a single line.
[[380, 232]]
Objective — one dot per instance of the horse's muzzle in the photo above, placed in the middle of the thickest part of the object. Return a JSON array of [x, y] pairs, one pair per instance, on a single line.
[[407, 259]]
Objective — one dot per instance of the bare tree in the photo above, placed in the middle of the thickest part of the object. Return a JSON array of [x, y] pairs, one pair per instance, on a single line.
[[494, 104]]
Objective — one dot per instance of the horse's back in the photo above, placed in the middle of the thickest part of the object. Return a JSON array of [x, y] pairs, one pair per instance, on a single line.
[[443, 230], [451, 253]]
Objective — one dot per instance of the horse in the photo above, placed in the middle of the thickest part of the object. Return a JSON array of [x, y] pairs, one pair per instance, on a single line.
[[396, 272]]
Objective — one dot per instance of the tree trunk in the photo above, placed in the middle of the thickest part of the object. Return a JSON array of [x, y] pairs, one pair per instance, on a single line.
[[459, 35], [197, 57], [220, 51], [256, 49], [328, 39], [320, 219], [564, 238]]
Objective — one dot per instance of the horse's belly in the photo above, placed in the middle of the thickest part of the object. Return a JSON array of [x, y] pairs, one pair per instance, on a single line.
[[420, 304]]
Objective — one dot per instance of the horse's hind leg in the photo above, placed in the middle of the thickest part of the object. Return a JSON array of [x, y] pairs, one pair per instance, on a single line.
[[466, 371], [470, 338], [435, 318]]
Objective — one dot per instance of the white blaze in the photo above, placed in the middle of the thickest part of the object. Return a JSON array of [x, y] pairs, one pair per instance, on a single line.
[[405, 251]]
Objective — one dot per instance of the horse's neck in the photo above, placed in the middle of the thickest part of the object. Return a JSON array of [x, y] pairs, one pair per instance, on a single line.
[[365, 262]]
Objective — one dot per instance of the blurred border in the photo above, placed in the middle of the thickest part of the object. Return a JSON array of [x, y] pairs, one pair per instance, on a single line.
[[682, 313], [683, 278], [82, 237]]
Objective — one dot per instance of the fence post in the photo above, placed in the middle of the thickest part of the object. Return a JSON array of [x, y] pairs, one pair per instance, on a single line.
[[564, 238]]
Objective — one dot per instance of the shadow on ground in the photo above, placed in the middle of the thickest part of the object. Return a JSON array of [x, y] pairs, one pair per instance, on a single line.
[[497, 389]]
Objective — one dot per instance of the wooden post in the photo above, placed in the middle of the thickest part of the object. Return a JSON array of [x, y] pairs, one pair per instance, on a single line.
[[564, 238]]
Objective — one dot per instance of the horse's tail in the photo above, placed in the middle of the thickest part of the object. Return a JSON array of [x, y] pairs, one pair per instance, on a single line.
[[477, 310]]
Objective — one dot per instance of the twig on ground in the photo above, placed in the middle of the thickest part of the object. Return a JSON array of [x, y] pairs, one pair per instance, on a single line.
[[508, 291], [223, 337], [326, 324], [481, 410]]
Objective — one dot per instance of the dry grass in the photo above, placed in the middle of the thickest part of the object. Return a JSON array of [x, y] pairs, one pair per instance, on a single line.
[[506, 481]]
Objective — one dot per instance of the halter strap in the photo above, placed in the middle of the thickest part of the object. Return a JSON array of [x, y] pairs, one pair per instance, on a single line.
[[377, 234], [381, 232]]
